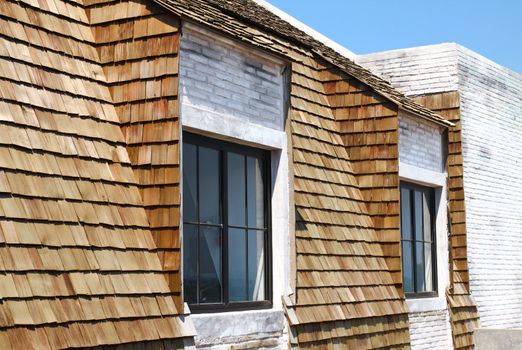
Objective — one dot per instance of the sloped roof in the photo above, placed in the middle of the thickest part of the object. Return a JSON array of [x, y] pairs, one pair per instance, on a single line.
[[78, 265], [218, 13]]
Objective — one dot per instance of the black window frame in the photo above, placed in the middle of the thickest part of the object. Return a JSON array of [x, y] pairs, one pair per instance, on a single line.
[[264, 155], [433, 229]]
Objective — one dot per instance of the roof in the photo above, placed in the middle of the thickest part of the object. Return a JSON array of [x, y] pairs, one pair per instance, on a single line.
[[308, 30], [78, 264], [217, 13]]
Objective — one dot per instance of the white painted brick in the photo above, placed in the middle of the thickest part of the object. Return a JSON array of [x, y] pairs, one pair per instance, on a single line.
[[224, 77], [420, 143], [419, 70], [430, 330], [491, 100]]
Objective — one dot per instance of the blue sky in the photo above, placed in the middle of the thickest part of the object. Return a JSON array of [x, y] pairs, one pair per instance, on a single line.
[[492, 28]]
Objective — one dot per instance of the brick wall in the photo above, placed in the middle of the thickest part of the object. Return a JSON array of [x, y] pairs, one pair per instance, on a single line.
[[430, 330], [420, 143], [491, 112], [416, 71], [220, 76]]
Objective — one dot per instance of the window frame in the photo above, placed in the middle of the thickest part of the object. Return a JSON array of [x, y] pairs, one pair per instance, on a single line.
[[264, 155], [433, 229]]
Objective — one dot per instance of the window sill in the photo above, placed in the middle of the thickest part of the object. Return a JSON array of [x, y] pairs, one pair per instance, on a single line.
[[237, 323], [426, 304], [237, 306]]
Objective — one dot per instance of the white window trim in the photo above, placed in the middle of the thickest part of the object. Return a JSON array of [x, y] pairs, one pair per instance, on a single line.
[[430, 178]]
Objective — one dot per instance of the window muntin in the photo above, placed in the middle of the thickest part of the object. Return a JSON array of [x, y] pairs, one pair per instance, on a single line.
[[418, 240], [225, 224]]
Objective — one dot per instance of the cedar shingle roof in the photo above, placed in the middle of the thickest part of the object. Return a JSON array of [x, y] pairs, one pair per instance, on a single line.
[[78, 264], [218, 13]]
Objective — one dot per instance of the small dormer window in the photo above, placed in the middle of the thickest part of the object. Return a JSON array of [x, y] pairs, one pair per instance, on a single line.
[[418, 240]]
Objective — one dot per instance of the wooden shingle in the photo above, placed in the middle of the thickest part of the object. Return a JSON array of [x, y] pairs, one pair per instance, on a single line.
[[77, 254]]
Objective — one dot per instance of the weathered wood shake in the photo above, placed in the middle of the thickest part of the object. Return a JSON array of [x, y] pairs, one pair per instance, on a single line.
[[80, 267], [90, 199]]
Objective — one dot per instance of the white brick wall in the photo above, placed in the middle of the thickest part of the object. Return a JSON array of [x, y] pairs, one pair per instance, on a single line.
[[491, 111], [217, 74], [420, 143], [418, 70], [491, 108], [430, 330]]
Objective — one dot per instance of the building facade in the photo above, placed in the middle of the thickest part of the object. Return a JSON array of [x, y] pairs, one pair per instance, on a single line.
[[209, 174]]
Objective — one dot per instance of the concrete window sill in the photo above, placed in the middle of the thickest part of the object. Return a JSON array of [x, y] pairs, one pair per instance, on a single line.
[[426, 304], [237, 323]]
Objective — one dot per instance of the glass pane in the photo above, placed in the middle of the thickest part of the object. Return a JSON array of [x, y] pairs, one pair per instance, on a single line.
[[405, 214], [209, 265], [209, 186], [419, 228], [255, 195], [419, 268], [427, 216], [407, 266], [256, 265], [237, 265], [190, 194], [236, 189], [190, 263], [429, 266]]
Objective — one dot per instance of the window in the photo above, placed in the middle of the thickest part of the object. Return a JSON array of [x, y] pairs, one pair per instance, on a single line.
[[225, 225], [418, 240]]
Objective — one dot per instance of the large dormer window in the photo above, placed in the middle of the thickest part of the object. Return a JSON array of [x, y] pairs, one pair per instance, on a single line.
[[225, 224]]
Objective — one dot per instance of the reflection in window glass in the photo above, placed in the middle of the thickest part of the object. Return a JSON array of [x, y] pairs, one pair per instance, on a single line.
[[190, 187], [190, 263], [428, 266], [255, 193], [209, 186], [209, 265], [256, 265], [236, 189], [417, 210], [405, 214], [426, 198], [419, 267], [407, 266], [237, 264]]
